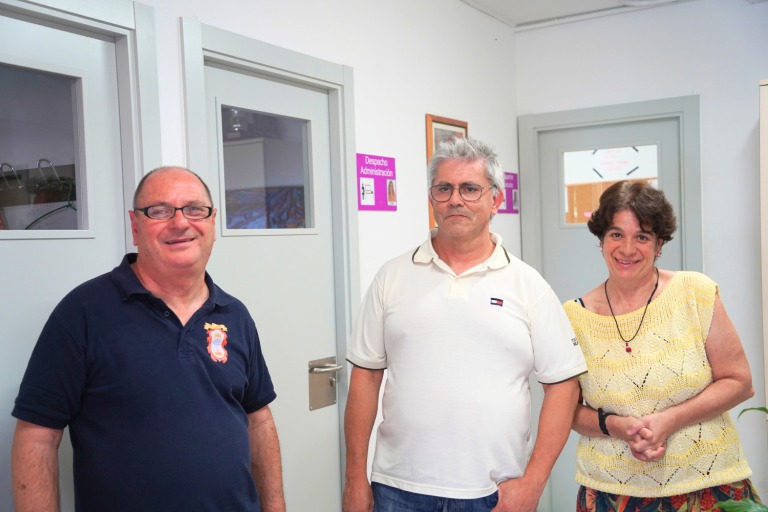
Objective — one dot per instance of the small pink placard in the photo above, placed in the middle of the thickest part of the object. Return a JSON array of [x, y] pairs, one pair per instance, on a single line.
[[511, 202], [376, 183]]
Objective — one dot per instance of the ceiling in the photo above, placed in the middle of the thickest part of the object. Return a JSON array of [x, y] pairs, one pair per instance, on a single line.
[[518, 13]]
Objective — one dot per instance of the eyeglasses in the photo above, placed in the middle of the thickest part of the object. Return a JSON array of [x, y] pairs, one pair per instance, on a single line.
[[468, 191], [166, 212]]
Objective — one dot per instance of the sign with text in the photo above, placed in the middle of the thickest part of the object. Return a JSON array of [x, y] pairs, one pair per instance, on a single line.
[[511, 202], [376, 183]]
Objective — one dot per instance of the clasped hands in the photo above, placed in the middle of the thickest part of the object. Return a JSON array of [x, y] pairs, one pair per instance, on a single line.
[[646, 436]]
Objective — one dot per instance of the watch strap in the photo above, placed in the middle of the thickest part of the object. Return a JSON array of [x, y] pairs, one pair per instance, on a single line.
[[601, 416]]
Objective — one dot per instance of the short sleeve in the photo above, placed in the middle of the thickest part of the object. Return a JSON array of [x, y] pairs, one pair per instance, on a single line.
[[54, 380], [557, 355], [261, 391], [366, 344]]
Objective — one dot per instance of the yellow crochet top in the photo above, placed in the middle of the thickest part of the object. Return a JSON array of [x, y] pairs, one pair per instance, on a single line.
[[667, 366]]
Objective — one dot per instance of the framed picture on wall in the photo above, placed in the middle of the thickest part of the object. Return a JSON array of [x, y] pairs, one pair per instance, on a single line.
[[441, 129]]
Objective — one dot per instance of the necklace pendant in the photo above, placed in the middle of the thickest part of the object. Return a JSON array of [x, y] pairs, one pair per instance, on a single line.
[[628, 348]]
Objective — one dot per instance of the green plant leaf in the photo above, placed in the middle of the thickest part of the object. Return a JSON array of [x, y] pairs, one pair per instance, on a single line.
[[741, 506], [763, 409]]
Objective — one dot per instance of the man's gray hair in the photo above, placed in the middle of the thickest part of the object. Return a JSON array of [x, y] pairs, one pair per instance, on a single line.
[[468, 149]]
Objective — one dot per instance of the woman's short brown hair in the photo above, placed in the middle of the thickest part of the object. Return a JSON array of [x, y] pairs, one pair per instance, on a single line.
[[648, 203]]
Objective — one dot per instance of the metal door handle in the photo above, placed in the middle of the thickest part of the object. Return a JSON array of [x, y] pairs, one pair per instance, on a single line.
[[322, 382], [326, 368]]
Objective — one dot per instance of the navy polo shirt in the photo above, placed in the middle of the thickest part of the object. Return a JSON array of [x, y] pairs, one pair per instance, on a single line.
[[156, 410]]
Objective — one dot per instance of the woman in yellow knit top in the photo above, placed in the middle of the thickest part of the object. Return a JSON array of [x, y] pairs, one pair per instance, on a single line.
[[665, 366]]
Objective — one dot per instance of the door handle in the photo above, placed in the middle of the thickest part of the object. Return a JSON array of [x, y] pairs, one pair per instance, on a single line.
[[322, 382], [326, 368]]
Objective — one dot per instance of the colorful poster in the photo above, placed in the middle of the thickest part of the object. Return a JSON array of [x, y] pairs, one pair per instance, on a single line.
[[376, 183], [511, 202]]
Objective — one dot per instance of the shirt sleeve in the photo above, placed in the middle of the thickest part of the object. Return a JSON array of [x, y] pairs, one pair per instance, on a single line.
[[261, 390], [51, 390], [557, 355], [366, 344]]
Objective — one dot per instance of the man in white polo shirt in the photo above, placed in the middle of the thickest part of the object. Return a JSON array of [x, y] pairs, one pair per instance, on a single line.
[[459, 324]]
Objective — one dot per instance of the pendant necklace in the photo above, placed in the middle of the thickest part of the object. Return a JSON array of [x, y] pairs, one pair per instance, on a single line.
[[626, 342]]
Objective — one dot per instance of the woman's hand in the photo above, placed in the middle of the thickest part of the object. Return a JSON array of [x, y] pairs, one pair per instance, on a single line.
[[643, 435], [644, 448], [651, 454], [648, 437]]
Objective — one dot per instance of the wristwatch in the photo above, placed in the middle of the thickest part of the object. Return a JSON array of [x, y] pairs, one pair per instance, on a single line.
[[601, 415]]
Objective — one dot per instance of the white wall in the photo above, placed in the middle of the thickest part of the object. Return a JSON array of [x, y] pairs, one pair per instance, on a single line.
[[434, 56], [409, 59], [717, 49]]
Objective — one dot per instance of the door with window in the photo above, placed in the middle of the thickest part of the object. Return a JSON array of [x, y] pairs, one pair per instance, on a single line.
[[577, 165], [61, 194], [567, 160], [273, 145], [269, 142]]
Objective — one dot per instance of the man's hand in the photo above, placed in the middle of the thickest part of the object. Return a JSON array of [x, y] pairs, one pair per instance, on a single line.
[[517, 496], [522, 494], [358, 496]]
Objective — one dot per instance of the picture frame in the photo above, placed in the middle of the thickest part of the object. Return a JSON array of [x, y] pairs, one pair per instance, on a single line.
[[441, 129]]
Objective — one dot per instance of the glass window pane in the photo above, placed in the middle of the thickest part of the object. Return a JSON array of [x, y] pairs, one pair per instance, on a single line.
[[266, 170], [38, 141], [586, 174]]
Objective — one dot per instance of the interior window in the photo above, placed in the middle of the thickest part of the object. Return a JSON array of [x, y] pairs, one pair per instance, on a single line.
[[266, 170], [586, 174], [38, 141]]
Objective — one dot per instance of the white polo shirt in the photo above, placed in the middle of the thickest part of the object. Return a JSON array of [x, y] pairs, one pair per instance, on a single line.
[[458, 352]]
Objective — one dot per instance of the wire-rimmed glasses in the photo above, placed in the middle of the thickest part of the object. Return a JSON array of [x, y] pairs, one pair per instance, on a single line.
[[468, 191]]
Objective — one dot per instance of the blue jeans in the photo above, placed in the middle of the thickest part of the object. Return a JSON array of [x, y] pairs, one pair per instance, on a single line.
[[390, 499]]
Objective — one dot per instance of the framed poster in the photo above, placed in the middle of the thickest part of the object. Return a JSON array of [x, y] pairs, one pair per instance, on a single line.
[[441, 129]]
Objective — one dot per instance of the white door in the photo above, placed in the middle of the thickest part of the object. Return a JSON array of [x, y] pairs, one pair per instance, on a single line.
[[566, 253], [271, 181], [572, 262], [66, 246], [571, 258]]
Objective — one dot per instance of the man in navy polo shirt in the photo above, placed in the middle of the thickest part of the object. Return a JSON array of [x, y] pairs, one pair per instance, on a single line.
[[159, 375]]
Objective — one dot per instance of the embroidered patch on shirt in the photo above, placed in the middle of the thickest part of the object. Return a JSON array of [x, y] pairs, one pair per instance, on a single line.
[[496, 302], [217, 340]]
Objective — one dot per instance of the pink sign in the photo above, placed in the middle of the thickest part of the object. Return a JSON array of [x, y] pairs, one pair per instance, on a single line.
[[511, 202], [376, 183]]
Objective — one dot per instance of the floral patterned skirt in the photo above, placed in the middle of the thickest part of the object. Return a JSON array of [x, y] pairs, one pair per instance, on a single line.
[[591, 500]]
